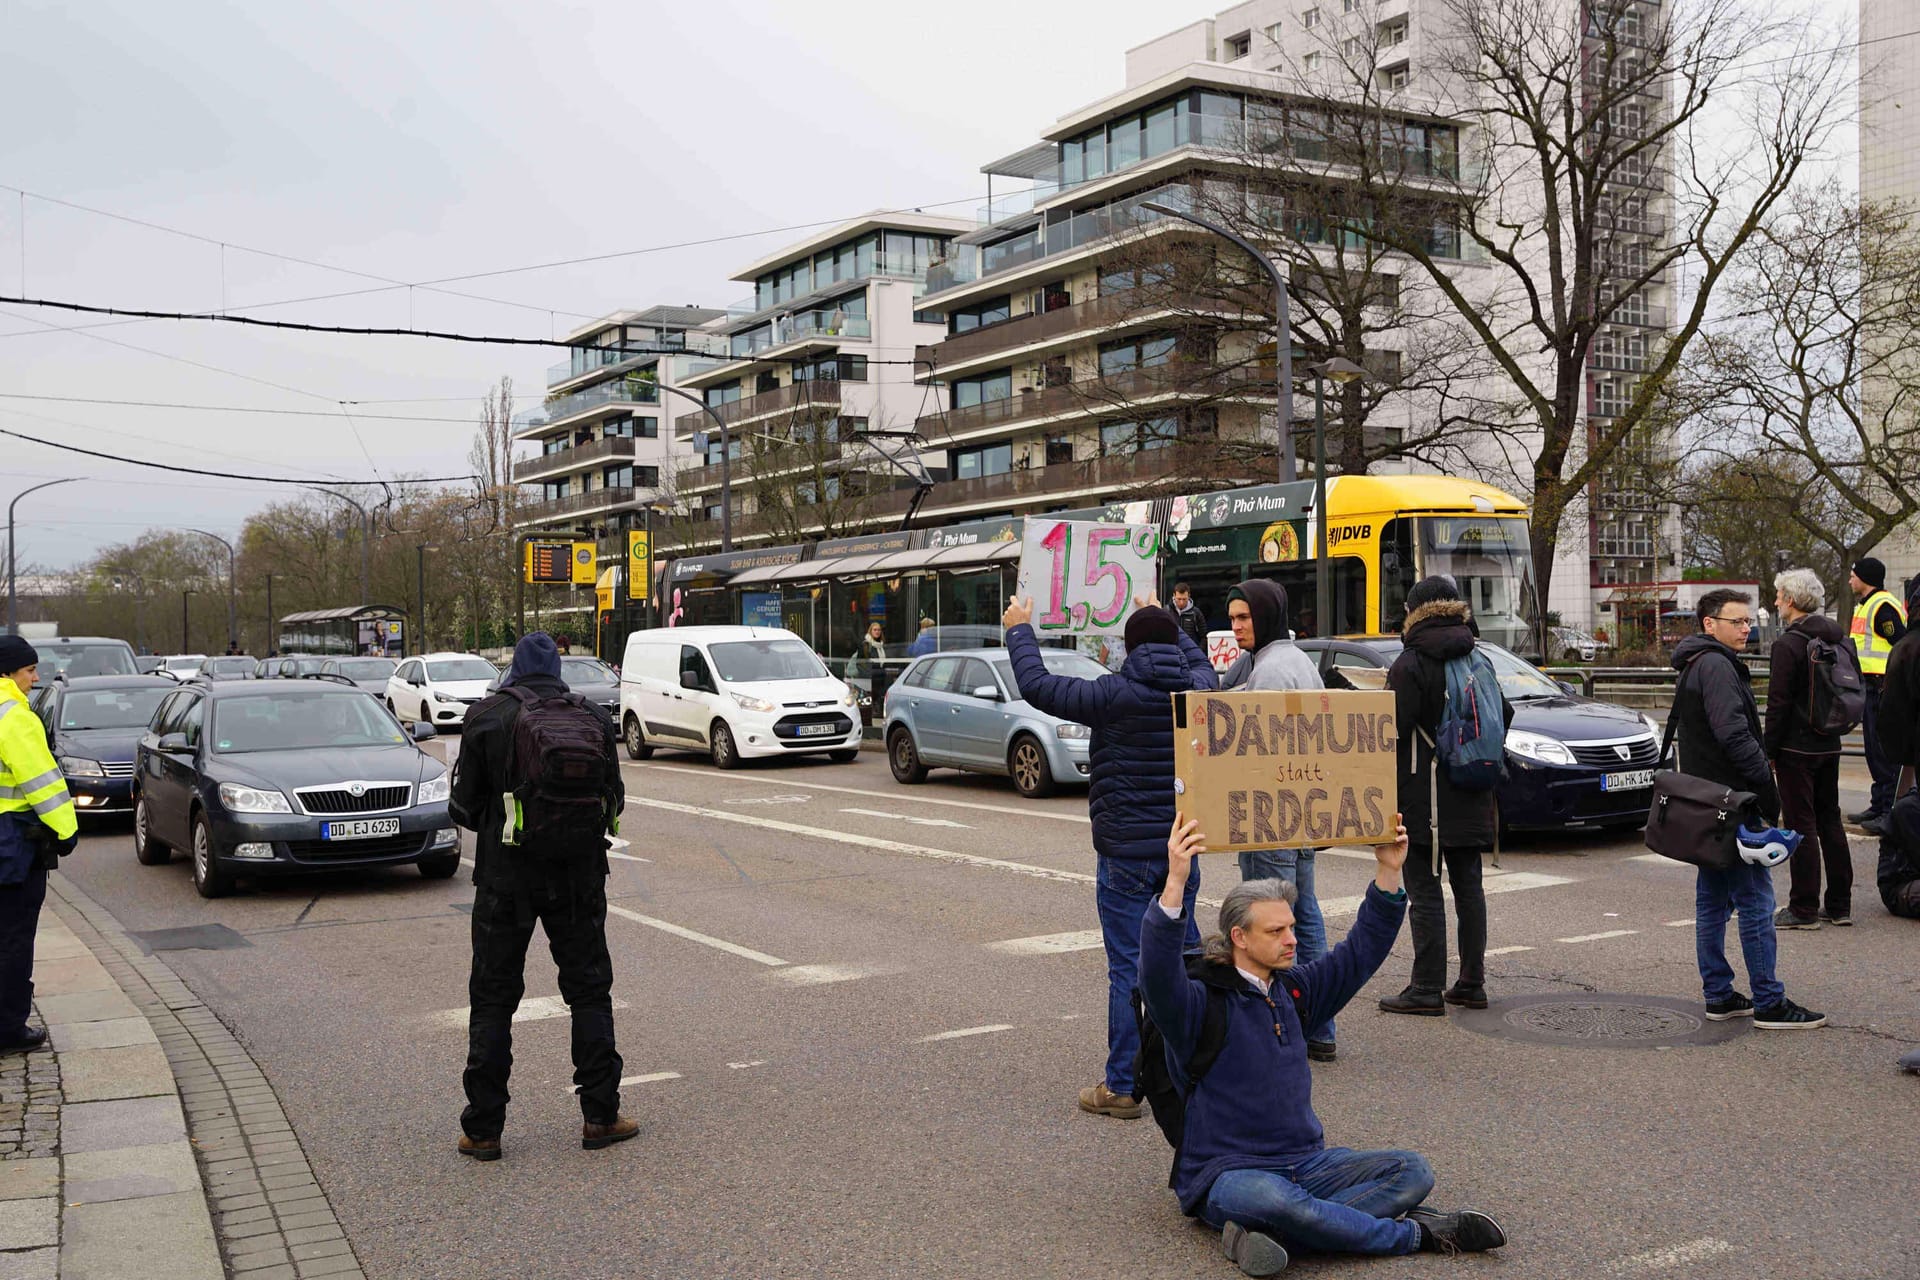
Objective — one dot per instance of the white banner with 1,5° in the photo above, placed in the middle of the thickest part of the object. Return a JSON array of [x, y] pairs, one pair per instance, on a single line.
[[1082, 575]]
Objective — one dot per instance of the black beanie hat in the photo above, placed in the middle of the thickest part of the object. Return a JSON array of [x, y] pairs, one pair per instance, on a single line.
[[1427, 590], [1151, 625], [1871, 572], [16, 653]]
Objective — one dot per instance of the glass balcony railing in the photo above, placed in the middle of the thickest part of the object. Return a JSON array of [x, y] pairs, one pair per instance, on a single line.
[[564, 407]]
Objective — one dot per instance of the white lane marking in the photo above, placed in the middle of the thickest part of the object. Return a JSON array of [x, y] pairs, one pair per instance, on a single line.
[[815, 975], [1511, 882], [1678, 1255], [650, 1078], [769, 800], [964, 1032], [1049, 944], [901, 817], [868, 842], [920, 797], [1598, 937], [627, 857], [1506, 951], [532, 1009], [1680, 924], [680, 931], [1654, 857]]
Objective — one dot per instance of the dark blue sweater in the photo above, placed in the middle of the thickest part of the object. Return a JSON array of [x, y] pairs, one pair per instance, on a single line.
[[1254, 1108], [1131, 715]]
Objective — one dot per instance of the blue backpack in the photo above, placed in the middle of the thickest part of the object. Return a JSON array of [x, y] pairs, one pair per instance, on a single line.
[[1472, 740]]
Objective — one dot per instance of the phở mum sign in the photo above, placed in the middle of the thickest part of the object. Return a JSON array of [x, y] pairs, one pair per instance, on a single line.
[[1286, 770]]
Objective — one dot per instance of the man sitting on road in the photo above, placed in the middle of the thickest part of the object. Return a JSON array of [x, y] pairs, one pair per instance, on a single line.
[[1131, 798], [1253, 1159], [539, 862]]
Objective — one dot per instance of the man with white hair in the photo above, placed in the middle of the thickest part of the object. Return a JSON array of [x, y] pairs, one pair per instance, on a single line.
[[1806, 762]]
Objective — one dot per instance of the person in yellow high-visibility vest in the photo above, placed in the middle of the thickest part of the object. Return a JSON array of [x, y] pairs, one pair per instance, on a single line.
[[1879, 621], [37, 827]]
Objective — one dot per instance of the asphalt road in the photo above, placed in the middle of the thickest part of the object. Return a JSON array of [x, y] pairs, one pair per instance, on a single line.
[[856, 1015]]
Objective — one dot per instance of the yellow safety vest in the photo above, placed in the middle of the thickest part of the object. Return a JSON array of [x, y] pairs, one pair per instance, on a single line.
[[1873, 647], [30, 780]]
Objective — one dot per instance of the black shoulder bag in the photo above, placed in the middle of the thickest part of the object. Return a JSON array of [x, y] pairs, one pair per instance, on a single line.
[[1692, 819]]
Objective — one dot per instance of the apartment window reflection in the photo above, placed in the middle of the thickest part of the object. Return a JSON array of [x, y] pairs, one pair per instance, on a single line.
[[1118, 439], [992, 311], [620, 477], [1135, 353], [979, 390], [1059, 450], [988, 460]]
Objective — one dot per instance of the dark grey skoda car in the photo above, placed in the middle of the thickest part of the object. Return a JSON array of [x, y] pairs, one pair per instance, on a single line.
[[271, 777]]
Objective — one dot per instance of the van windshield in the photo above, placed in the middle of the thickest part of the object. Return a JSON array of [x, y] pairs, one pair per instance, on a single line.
[[742, 661]]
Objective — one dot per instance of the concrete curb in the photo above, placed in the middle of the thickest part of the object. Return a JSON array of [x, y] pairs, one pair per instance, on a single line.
[[268, 1214]]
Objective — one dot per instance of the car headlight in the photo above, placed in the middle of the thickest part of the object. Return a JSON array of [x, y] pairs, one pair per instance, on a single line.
[[78, 767], [851, 698], [239, 799], [1653, 727], [1070, 732], [435, 790], [751, 703], [1538, 748]]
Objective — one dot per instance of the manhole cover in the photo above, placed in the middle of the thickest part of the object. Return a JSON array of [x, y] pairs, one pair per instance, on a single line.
[[1600, 1022], [198, 937]]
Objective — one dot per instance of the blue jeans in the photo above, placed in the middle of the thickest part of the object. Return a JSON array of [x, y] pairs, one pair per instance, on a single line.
[[1309, 926], [1122, 890], [1749, 890], [1334, 1201]]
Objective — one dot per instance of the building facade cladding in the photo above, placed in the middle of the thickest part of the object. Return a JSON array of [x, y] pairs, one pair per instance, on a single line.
[[1890, 171]]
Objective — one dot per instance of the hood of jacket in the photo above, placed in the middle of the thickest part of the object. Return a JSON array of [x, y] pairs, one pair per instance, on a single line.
[[1694, 645], [1267, 603], [1439, 629], [1158, 666], [1819, 626]]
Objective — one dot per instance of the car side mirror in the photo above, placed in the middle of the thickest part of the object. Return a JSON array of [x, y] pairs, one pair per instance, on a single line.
[[174, 743], [421, 731], [1566, 686], [987, 693], [690, 680]]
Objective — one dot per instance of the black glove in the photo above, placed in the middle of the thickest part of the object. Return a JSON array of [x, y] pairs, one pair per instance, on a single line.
[[55, 845]]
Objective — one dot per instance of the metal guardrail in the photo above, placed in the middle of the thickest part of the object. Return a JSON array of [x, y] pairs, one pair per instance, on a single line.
[[1650, 689]]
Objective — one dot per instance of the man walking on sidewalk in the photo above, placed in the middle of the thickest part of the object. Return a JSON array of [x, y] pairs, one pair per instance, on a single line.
[[37, 829], [538, 783], [1879, 622], [1806, 761]]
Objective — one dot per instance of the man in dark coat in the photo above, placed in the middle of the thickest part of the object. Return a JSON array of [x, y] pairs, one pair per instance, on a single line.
[[1188, 614], [1131, 798], [1806, 764], [1717, 726], [1438, 629], [564, 889]]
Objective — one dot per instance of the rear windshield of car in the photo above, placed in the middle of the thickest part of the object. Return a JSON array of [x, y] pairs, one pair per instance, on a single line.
[[110, 708], [301, 721], [367, 668], [1060, 662], [74, 660], [462, 669], [185, 664], [749, 660], [228, 666], [586, 671]]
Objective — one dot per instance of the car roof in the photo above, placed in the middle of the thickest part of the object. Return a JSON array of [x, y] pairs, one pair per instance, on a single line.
[[680, 635], [80, 640], [84, 683], [425, 657], [241, 688], [986, 651]]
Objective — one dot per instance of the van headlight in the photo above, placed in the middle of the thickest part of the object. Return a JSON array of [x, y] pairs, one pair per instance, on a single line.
[[1538, 748], [239, 799], [752, 703], [435, 790], [79, 767]]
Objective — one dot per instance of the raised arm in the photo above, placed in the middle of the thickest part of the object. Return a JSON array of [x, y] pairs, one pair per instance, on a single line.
[[1069, 697], [1176, 1003], [1327, 984], [1198, 663]]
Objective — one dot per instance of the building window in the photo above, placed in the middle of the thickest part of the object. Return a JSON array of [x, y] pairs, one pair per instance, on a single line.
[[647, 477], [1310, 19], [1237, 47], [1392, 34], [988, 386], [987, 460], [620, 477], [1310, 62], [1397, 79], [1059, 450], [832, 369], [980, 314], [1273, 32], [1353, 46], [1118, 439], [1135, 353], [550, 447], [554, 489], [1348, 6]]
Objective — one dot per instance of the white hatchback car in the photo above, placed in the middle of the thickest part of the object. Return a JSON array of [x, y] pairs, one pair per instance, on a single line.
[[733, 693], [439, 687]]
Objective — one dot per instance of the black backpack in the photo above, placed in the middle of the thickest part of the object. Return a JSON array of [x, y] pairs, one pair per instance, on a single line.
[[563, 756], [1153, 1079], [1836, 693]]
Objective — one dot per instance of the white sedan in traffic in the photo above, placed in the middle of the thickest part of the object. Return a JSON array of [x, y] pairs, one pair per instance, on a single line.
[[439, 687]]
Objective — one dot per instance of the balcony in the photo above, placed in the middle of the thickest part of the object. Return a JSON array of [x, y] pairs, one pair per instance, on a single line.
[[589, 360], [564, 409], [1098, 397], [562, 461], [817, 394], [575, 504], [1113, 475], [1078, 320], [766, 466], [799, 326]]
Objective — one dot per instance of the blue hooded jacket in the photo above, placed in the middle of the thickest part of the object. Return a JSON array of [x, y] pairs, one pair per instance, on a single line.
[[535, 655], [1131, 715]]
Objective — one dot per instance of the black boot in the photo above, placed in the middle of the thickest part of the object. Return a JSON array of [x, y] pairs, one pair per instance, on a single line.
[[1464, 1231], [1467, 996], [1415, 1002]]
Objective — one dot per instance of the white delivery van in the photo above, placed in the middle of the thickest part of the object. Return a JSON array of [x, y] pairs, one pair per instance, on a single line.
[[735, 693]]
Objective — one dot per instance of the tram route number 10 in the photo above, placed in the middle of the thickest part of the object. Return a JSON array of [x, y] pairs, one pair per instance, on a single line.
[[1082, 577]]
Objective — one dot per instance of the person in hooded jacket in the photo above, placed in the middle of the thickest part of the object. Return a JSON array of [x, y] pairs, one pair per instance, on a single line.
[[1257, 612], [565, 890], [1439, 629], [1130, 799], [1806, 765]]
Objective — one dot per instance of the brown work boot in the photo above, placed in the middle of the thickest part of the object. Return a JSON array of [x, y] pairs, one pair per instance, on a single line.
[[595, 1136], [1102, 1101], [480, 1148]]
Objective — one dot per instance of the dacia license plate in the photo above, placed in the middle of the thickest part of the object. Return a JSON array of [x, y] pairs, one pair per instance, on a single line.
[[1634, 780], [815, 730], [360, 829]]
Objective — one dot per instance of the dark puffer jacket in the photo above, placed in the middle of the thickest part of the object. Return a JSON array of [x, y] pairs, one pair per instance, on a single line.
[[1717, 722], [1436, 632], [1789, 691], [1131, 715]]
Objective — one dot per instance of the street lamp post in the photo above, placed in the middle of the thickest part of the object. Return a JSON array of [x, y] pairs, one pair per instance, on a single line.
[[13, 615], [1282, 330], [233, 601], [726, 463], [366, 538], [420, 550], [273, 641], [1342, 372]]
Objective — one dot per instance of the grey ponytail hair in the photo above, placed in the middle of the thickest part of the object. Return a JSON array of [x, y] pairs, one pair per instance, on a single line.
[[1234, 912]]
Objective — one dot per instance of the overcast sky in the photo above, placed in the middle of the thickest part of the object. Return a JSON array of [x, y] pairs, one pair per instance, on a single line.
[[416, 142]]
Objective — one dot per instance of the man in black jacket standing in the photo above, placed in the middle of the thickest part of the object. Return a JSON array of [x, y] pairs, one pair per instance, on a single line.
[[1806, 764], [564, 889], [1717, 723], [1438, 629]]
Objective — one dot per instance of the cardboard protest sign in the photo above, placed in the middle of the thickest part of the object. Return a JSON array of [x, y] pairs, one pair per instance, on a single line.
[[1285, 770], [1083, 575]]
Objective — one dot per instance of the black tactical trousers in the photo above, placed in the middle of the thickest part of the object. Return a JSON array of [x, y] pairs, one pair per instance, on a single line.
[[575, 920]]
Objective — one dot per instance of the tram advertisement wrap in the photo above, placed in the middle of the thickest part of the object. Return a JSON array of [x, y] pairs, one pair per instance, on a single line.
[[1083, 576], [1285, 770]]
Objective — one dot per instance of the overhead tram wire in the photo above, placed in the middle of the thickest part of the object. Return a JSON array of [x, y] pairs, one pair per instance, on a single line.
[[238, 408], [304, 482]]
